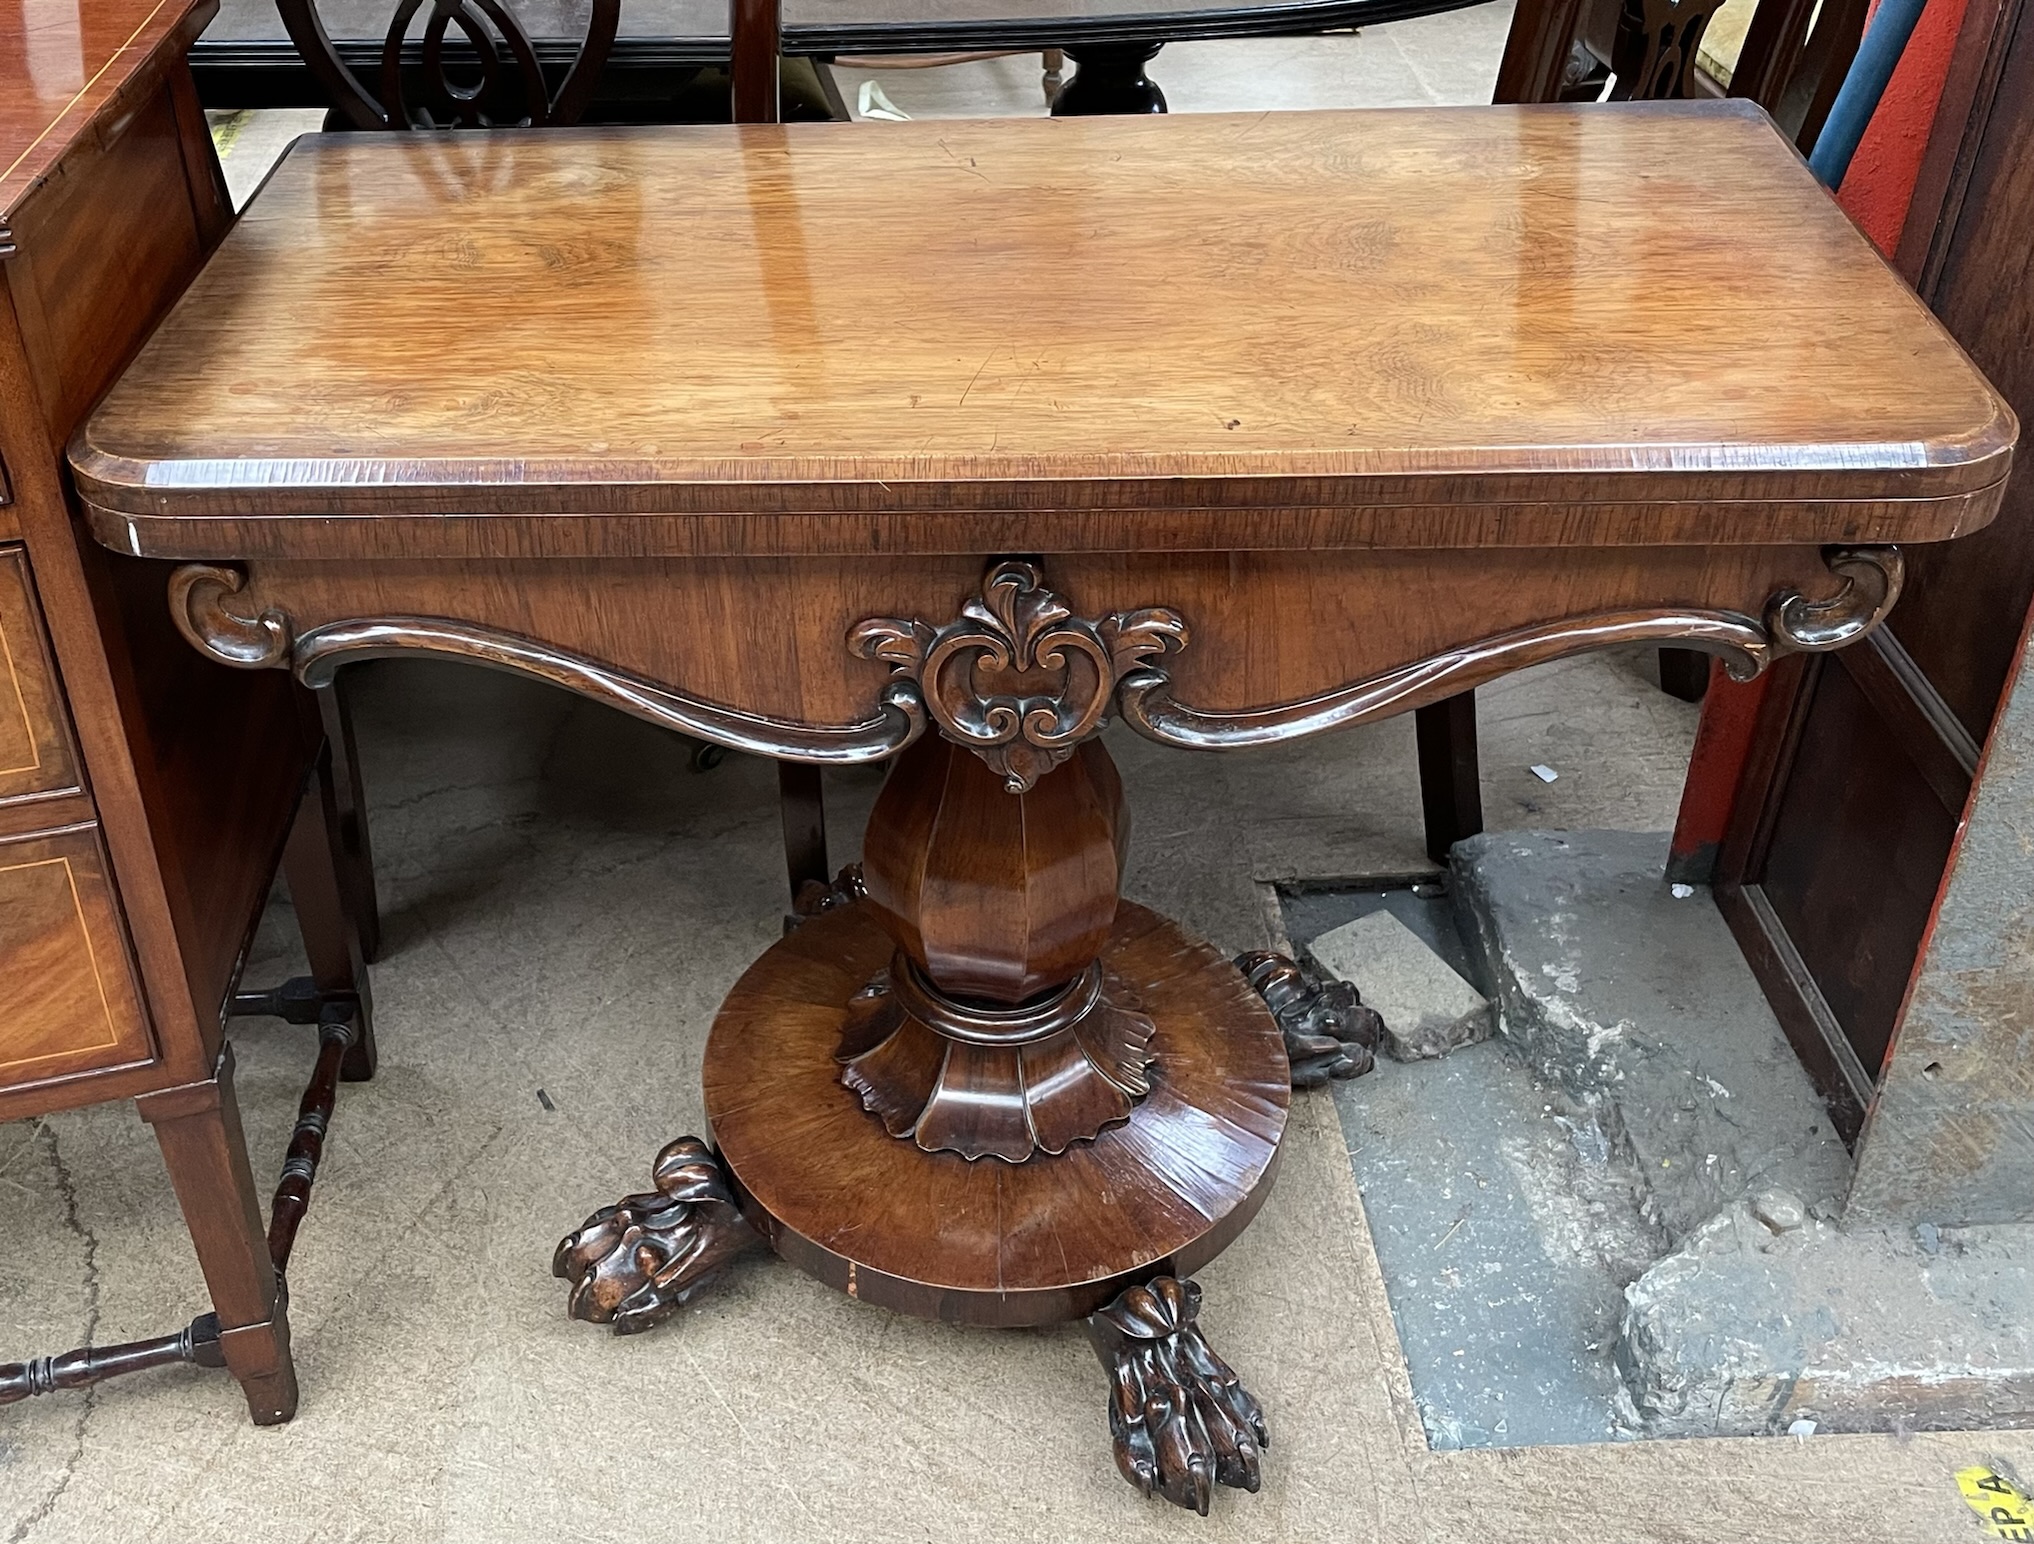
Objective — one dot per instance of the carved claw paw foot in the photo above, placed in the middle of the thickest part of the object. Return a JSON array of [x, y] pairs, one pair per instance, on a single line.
[[636, 1263], [1182, 1422], [814, 897], [1328, 1031]]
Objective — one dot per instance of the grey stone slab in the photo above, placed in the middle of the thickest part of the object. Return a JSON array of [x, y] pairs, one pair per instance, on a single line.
[[1506, 1236], [1753, 1325], [1640, 1003], [1427, 1008]]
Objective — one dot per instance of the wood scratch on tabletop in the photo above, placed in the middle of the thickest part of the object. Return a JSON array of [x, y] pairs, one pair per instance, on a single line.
[[975, 377], [966, 164]]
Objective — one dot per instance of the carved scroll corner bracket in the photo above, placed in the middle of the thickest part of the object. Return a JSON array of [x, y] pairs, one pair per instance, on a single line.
[[1017, 678], [198, 593], [1872, 577]]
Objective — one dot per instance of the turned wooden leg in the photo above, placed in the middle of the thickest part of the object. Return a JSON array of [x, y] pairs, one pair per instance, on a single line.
[[1109, 79], [314, 863], [1451, 789], [198, 1128], [355, 851], [1052, 73], [1182, 1421]]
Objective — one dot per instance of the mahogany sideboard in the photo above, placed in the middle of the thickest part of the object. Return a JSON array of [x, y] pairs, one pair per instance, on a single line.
[[1284, 423], [144, 803]]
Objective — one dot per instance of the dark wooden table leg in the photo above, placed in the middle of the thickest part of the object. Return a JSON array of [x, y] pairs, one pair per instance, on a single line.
[[802, 803], [355, 854], [755, 30], [314, 865], [1684, 673], [198, 1127], [1108, 80], [1451, 789]]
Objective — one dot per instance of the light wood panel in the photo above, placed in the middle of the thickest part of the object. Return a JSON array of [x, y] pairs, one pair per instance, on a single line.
[[68, 1002], [1433, 310], [36, 755]]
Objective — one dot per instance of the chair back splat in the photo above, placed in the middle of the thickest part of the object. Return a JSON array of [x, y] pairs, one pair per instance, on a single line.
[[491, 77]]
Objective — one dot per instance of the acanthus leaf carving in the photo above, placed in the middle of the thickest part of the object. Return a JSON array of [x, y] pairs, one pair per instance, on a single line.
[[1017, 678]]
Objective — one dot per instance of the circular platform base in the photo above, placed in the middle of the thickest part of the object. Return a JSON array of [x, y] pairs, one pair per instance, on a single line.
[[981, 1241]]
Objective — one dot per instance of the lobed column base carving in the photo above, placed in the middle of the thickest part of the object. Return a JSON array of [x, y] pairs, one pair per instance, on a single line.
[[1182, 1421], [634, 1264], [996, 1083]]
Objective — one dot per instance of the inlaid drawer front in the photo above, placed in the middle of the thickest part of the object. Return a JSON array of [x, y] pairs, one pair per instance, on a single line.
[[68, 998], [35, 743]]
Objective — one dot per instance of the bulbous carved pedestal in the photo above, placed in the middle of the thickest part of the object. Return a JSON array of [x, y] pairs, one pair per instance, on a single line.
[[995, 1030], [971, 1083]]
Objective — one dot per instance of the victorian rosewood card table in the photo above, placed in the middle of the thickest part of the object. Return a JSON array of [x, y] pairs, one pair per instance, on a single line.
[[942, 444]]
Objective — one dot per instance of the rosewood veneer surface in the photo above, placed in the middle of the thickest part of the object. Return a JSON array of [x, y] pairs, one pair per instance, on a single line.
[[1444, 327]]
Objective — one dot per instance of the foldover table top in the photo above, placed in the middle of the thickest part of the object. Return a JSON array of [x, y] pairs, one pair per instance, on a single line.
[[1488, 325]]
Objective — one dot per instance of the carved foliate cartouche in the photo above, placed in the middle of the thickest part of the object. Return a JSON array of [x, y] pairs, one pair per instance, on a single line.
[[1017, 678]]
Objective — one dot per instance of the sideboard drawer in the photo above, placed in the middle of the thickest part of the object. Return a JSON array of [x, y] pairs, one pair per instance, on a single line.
[[68, 998], [36, 756]]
